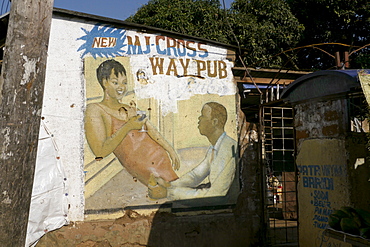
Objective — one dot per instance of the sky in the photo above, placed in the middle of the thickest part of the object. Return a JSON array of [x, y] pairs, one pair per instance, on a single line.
[[117, 9]]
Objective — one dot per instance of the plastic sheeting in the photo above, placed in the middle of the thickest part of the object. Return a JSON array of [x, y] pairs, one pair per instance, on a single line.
[[49, 205]]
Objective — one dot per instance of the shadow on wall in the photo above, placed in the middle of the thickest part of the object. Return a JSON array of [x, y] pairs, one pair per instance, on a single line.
[[184, 224], [359, 169], [200, 230]]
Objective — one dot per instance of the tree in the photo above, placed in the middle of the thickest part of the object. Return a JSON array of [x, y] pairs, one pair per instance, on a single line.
[[326, 21], [21, 94], [261, 27], [200, 18], [265, 28]]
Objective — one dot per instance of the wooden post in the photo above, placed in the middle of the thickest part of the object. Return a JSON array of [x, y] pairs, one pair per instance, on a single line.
[[23, 75], [346, 60], [338, 62]]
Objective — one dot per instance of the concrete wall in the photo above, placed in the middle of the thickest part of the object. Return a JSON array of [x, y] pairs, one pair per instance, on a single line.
[[107, 204], [328, 177], [241, 226]]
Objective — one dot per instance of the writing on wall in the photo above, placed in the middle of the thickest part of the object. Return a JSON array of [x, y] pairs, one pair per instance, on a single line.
[[166, 55], [321, 178], [166, 69], [323, 240], [163, 45], [322, 204]]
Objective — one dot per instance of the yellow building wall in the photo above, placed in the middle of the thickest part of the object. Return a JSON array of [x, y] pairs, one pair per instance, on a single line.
[[323, 186]]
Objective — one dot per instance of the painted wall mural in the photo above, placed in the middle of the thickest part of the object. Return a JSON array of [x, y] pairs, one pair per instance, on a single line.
[[323, 187], [160, 119]]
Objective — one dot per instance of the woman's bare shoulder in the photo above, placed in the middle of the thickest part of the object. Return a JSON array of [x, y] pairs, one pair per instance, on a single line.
[[94, 109], [93, 106]]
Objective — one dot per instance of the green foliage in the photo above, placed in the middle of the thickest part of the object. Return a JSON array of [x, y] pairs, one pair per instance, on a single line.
[[273, 33], [265, 28], [261, 27], [327, 21], [361, 60], [351, 220], [200, 18]]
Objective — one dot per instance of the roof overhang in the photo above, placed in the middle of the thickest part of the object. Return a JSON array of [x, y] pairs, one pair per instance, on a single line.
[[321, 84]]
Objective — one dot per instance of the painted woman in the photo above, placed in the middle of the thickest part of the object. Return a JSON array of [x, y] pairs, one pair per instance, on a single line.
[[114, 127]]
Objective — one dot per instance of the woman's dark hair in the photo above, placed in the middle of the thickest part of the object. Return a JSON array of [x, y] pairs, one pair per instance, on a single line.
[[105, 69]]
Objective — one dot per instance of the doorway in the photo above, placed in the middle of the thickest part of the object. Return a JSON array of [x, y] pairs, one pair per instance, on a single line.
[[278, 150]]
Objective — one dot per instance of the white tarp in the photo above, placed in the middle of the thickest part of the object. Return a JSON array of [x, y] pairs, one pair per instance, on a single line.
[[49, 204]]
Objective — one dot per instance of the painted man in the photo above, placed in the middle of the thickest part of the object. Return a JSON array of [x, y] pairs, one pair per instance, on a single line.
[[215, 174]]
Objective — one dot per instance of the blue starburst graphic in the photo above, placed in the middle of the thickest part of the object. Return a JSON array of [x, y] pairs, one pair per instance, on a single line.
[[103, 41]]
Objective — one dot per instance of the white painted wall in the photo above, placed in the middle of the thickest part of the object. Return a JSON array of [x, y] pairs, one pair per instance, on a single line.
[[64, 97], [63, 107]]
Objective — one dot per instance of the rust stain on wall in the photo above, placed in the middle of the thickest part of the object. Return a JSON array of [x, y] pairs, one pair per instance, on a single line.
[[330, 130], [331, 115]]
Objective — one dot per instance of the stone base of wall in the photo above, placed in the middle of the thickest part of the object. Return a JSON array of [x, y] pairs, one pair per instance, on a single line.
[[160, 229]]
